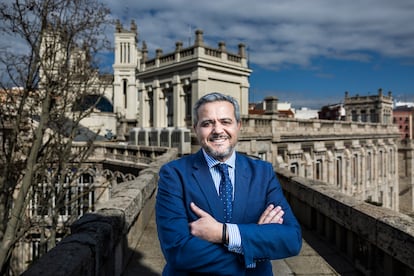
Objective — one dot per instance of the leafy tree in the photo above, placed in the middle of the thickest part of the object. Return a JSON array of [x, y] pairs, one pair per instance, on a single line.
[[50, 68]]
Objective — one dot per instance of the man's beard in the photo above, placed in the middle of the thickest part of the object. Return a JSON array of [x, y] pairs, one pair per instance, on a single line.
[[219, 155]]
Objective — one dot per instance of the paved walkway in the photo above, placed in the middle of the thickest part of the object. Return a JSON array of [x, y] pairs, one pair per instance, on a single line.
[[149, 261]]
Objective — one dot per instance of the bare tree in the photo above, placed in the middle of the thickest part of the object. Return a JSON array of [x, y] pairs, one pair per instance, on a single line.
[[46, 74]]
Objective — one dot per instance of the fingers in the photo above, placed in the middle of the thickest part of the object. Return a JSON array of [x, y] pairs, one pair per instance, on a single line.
[[198, 211], [265, 214], [276, 215], [272, 215]]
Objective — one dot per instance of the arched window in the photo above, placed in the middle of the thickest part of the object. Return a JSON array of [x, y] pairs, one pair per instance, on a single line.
[[339, 171], [124, 91], [294, 168], [369, 167], [318, 169], [354, 169]]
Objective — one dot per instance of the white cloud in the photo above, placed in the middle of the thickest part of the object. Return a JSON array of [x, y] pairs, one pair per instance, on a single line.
[[279, 32]]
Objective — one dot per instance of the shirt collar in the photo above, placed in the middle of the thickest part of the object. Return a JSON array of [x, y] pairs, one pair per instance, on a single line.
[[211, 161]]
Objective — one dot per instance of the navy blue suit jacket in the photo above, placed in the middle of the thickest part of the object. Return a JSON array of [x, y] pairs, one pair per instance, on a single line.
[[187, 180]]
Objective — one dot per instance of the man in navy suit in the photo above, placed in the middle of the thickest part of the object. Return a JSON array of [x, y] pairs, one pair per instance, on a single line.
[[200, 231]]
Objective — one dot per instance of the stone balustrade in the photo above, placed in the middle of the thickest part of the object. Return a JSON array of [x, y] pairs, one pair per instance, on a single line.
[[184, 54], [378, 241], [286, 128], [122, 153]]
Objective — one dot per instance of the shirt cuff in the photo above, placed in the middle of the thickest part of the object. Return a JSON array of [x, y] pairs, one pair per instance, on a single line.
[[234, 238]]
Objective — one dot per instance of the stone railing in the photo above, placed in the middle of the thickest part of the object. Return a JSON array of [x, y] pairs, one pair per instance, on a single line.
[[378, 241], [212, 54], [122, 153], [287, 128], [100, 242]]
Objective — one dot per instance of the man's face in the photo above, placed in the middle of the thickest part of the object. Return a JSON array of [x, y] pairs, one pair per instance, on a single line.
[[217, 129]]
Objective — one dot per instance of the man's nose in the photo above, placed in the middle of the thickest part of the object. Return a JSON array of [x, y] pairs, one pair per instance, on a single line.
[[218, 128]]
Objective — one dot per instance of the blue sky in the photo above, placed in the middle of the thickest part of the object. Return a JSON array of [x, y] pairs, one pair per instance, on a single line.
[[304, 87]]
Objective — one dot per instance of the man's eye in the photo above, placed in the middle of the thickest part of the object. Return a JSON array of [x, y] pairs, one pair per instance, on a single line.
[[205, 124]]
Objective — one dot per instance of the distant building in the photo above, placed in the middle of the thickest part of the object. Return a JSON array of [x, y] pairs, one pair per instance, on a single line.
[[256, 108], [335, 112], [306, 113], [403, 117], [271, 106], [399, 103], [369, 109], [285, 110]]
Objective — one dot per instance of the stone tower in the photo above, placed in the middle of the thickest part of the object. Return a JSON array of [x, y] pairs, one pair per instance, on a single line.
[[127, 60]]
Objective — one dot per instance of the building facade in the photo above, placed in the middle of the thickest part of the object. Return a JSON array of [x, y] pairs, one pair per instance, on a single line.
[[332, 112], [159, 92], [359, 159], [369, 109], [403, 118]]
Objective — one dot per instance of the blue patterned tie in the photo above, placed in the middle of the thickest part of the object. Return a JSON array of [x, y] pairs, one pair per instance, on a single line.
[[226, 191]]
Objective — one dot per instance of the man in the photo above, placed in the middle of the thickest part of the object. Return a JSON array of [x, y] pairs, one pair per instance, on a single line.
[[204, 230]]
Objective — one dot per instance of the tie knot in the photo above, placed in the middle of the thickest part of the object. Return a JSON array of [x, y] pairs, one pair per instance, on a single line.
[[223, 168]]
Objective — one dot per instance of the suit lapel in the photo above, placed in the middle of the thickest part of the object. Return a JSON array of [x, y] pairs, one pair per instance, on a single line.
[[205, 182], [241, 193]]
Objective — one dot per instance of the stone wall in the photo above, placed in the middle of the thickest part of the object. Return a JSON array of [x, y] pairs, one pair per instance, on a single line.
[[101, 242], [359, 159], [378, 241]]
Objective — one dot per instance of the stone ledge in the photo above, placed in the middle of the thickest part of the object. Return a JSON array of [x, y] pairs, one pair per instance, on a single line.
[[101, 242], [387, 230]]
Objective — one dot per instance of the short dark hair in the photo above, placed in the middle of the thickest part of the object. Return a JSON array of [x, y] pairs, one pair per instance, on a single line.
[[215, 97]]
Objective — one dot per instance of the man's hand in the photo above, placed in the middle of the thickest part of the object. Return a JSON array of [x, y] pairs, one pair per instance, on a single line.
[[272, 214], [206, 227]]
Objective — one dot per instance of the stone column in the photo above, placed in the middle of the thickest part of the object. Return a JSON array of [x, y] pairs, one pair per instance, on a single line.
[[198, 84], [144, 107], [244, 96], [132, 100], [347, 179], [363, 173], [179, 104], [159, 105]]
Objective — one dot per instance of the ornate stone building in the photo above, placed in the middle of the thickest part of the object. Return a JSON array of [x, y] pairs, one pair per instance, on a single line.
[[370, 109], [359, 159], [160, 92]]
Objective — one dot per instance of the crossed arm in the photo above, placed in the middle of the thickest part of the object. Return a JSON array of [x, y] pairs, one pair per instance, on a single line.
[[209, 229]]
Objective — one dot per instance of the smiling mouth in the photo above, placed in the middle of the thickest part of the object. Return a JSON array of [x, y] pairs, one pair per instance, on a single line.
[[219, 138]]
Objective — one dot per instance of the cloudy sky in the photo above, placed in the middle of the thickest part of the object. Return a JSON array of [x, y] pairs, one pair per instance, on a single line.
[[307, 52]]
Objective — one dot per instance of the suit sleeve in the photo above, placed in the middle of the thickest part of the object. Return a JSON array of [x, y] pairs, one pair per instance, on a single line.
[[272, 241], [182, 250]]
